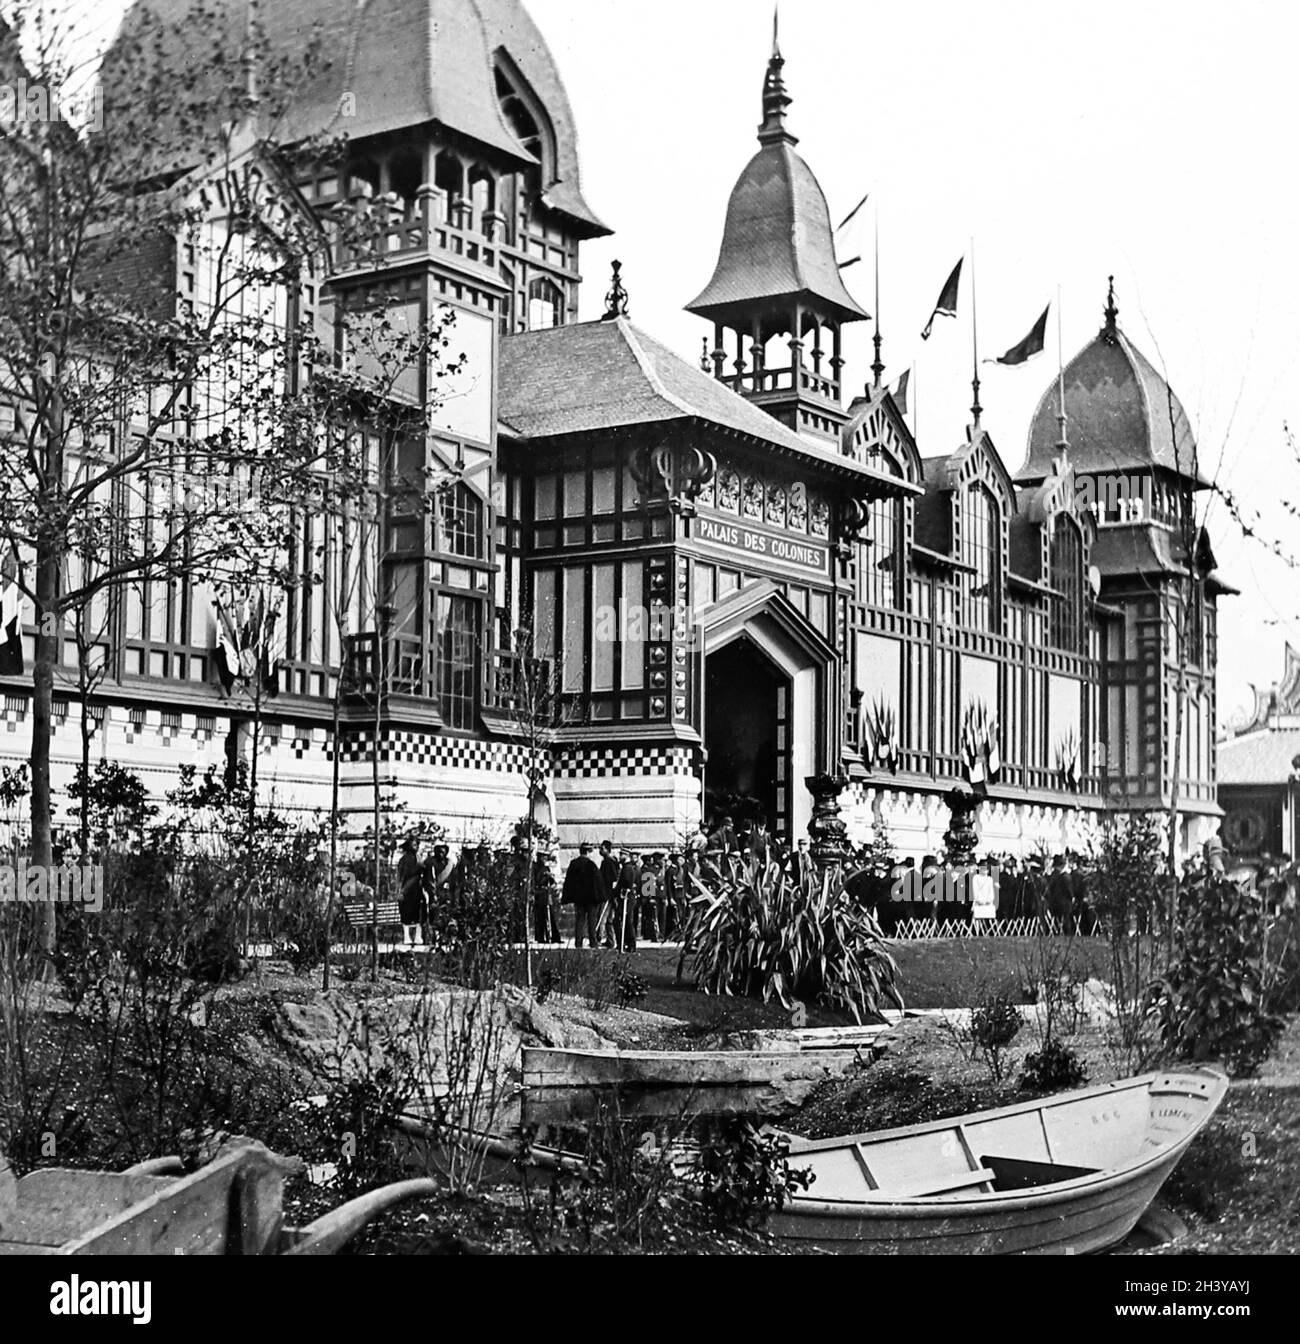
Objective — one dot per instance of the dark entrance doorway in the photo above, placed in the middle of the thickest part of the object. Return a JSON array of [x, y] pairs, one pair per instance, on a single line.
[[746, 734]]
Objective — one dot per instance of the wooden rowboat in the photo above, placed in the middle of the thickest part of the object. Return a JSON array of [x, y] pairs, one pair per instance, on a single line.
[[680, 1068], [233, 1206], [1065, 1175]]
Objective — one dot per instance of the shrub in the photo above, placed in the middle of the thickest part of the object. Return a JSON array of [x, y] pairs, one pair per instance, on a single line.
[[1053, 1068], [1211, 999], [754, 932], [994, 1024], [473, 922], [1127, 882], [744, 1175]]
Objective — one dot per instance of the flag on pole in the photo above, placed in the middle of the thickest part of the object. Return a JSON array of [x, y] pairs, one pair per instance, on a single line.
[[244, 645], [854, 239], [852, 215], [227, 653], [1032, 344], [947, 305], [900, 391], [11, 620]]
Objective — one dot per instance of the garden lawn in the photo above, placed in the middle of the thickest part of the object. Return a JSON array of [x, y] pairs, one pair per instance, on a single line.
[[938, 974]]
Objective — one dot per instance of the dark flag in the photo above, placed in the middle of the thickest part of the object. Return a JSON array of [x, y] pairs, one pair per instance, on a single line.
[[227, 655], [900, 392], [947, 305], [11, 620], [848, 219], [1032, 344]]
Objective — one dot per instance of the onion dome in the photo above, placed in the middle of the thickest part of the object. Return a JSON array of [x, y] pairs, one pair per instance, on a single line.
[[1121, 414]]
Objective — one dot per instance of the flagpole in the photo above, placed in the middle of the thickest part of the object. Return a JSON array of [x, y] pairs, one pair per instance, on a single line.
[[975, 339], [878, 368], [1060, 372]]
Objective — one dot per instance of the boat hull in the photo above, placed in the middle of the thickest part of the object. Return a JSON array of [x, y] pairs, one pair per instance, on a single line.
[[1074, 1224], [1076, 1175]]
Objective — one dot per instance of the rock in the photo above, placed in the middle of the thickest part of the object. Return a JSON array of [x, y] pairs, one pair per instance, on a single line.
[[8, 1192]]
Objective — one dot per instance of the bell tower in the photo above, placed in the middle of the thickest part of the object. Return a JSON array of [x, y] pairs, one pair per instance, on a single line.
[[776, 300]]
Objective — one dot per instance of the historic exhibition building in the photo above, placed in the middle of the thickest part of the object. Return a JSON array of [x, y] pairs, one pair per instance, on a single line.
[[797, 587]]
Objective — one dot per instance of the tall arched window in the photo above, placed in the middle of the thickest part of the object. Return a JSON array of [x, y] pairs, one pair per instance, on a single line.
[[878, 566], [1067, 580], [545, 305], [981, 549]]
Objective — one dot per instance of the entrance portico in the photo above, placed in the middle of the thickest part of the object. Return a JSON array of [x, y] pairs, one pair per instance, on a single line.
[[766, 726]]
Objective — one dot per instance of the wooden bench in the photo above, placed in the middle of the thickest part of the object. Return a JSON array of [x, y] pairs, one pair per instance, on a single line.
[[962, 1181], [362, 915]]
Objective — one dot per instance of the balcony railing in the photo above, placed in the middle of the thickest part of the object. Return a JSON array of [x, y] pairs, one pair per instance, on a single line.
[[436, 223]]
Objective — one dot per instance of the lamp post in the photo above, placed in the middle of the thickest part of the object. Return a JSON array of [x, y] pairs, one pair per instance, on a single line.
[[830, 842], [386, 611]]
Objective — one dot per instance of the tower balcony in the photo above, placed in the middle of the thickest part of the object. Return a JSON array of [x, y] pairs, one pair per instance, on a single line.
[[804, 381], [435, 223]]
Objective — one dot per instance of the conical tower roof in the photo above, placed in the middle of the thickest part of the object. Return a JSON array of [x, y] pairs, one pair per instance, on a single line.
[[778, 245]]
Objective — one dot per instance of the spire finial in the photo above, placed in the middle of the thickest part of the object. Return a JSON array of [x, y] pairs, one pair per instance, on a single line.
[[878, 367], [1112, 312], [1063, 443], [616, 299], [976, 410], [775, 98]]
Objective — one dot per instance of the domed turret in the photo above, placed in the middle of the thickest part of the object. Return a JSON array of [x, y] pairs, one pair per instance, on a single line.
[[777, 276], [1121, 415], [778, 246]]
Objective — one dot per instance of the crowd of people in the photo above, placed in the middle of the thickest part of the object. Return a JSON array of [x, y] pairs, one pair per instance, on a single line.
[[621, 897]]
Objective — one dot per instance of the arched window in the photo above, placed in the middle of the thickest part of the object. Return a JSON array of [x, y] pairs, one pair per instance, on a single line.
[[545, 305], [1067, 580], [878, 570], [981, 549]]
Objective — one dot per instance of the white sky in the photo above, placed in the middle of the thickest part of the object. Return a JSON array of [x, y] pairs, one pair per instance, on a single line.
[[1151, 139]]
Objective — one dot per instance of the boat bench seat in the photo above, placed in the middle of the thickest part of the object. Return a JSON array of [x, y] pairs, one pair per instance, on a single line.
[[959, 1181]]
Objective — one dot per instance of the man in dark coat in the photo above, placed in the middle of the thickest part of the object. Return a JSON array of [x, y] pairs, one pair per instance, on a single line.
[[1060, 896], [628, 903], [585, 891], [610, 869], [410, 891]]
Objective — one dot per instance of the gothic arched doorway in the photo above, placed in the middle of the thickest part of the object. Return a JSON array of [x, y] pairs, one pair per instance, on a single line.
[[747, 736]]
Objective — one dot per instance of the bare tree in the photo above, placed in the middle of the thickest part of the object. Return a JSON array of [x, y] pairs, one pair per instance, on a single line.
[[532, 696]]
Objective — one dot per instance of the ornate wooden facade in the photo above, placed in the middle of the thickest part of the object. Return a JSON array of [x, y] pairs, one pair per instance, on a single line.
[[743, 578]]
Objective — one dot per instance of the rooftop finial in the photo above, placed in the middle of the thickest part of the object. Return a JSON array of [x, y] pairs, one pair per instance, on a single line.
[[1063, 443], [878, 366], [705, 362], [1112, 312], [616, 299], [775, 98]]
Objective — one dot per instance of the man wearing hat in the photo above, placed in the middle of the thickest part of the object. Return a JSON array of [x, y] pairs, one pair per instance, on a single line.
[[610, 870], [585, 891]]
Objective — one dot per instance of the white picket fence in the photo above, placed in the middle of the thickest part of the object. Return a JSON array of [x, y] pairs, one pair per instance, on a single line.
[[931, 930]]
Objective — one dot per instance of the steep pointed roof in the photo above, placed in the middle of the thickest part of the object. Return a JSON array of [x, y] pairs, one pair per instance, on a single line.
[[390, 65], [778, 244], [1121, 414]]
